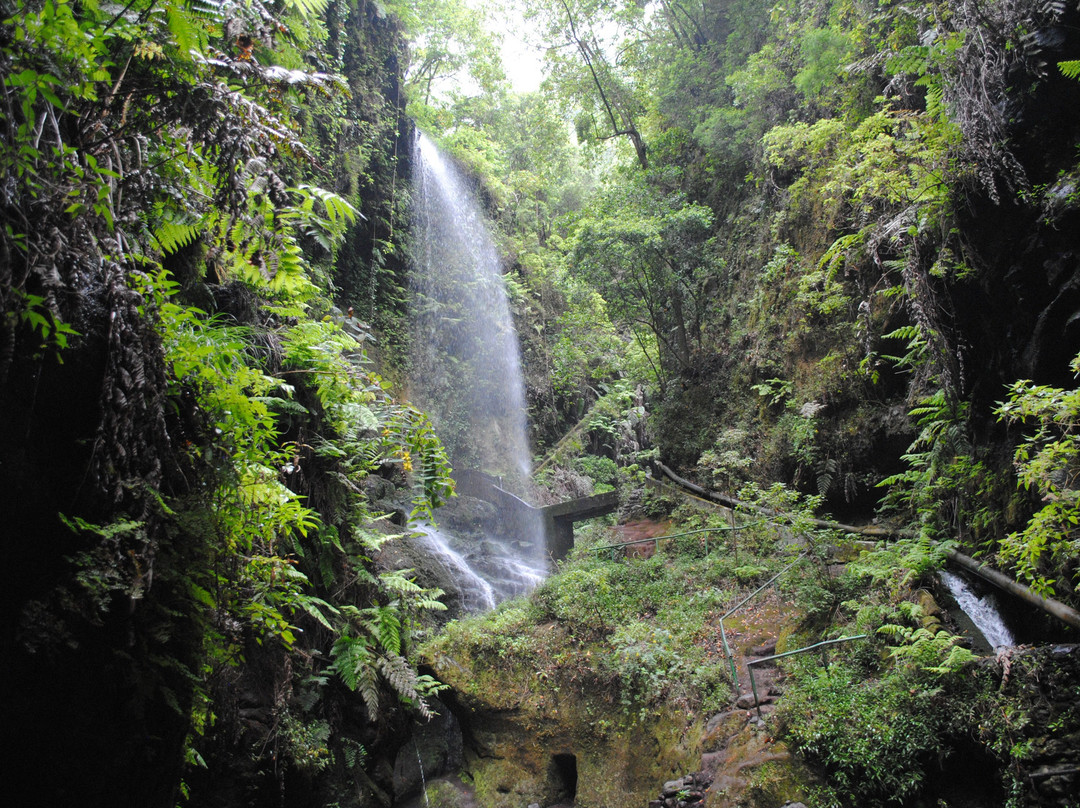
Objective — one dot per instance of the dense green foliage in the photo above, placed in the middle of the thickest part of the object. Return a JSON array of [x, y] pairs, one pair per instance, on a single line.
[[814, 242], [640, 630], [167, 248], [798, 217]]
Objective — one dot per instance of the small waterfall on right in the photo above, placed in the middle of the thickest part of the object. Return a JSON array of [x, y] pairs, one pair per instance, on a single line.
[[982, 611]]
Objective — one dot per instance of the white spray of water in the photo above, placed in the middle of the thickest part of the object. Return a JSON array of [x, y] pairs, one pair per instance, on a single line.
[[466, 370], [982, 611], [466, 361], [477, 595]]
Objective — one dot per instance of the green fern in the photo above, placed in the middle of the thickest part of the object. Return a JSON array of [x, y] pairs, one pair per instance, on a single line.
[[396, 582], [384, 622], [367, 685], [337, 207], [825, 472], [173, 236], [402, 679], [307, 8], [1070, 69]]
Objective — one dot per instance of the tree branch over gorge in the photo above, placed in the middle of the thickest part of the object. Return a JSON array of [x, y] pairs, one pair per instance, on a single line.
[[614, 97]]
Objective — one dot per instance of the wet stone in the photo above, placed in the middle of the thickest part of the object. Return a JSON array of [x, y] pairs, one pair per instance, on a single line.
[[673, 787], [746, 701]]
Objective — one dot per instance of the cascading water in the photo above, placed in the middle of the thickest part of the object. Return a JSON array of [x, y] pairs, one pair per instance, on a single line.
[[981, 610], [466, 365], [466, 362], [477, 594]]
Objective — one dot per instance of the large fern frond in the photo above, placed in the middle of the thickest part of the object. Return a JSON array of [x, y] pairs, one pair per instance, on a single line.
[[307, 8], [396, 582], [170, 237], [1070, 69], [402, 679], [351, 657], [367, 685], [385, 624]]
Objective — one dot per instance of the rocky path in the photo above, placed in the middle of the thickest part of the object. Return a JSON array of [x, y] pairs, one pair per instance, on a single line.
[[737, 743]]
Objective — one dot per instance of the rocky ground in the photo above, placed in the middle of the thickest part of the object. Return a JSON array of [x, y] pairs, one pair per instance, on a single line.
[[740, 757]]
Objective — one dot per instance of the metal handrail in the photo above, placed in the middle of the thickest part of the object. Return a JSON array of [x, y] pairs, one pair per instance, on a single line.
[[750, 665], [739, 605]]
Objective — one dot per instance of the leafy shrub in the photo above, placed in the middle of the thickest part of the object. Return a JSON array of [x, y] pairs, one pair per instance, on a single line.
[[1046, 553], [602, 470], [874, 738]]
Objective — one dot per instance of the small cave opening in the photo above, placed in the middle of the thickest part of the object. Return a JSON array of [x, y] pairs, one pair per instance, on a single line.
[[562, 777]]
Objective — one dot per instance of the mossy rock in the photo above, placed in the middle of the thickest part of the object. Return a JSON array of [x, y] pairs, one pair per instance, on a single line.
[[779, 782]]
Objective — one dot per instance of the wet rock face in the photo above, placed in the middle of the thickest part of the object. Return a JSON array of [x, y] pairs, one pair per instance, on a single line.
[[1044, 683], [743, 765], [563, 742], [436, 746]]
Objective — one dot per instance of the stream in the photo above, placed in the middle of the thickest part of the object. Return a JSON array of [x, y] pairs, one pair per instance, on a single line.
[[982, 610]]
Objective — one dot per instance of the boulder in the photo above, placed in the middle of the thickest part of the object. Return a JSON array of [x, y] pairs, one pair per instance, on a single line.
[[746, 701], [673, 787]]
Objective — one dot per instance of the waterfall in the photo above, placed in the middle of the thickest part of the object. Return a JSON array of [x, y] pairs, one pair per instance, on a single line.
[[982, 611], [466, 364], [477, 594]]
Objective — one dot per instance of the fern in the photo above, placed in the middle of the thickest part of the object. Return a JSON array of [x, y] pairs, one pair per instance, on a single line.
[[432, 604], [402, 679], [355, 664], [173, 236], [1070, 69], [396, 582], [337, 207], [826, 472], [214, 9], [314, 606], [307, 8], [372, 541], [385, 624], [935, 652]]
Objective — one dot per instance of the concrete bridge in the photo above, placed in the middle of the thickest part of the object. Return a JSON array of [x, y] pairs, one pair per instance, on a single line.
[[554, 522]]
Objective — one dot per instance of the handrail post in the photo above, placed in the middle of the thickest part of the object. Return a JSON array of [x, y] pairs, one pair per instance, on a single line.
[[730, 658], [750, 665], [741, 603], [753, 689]]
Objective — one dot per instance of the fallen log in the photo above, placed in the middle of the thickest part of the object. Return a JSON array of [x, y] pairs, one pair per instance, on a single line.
[[1055, 608], [731, 502]]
